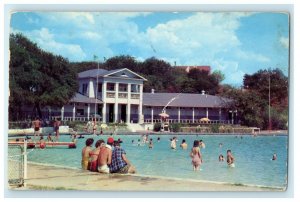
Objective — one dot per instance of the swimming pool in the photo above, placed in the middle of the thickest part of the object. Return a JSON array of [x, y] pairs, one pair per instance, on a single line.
[[253, 164]]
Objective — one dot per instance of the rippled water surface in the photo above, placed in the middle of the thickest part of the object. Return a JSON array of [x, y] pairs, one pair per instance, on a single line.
[[253, 164]]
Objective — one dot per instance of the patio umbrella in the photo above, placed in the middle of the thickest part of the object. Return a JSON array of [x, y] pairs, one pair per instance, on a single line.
[[164, 115], [204, 119]]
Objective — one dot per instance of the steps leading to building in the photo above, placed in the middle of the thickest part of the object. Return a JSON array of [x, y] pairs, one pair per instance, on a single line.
[[135, 127]]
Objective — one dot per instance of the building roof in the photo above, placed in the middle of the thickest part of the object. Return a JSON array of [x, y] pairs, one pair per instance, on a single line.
[[105, 73], [93, 73], [184, 100], [85, 99]]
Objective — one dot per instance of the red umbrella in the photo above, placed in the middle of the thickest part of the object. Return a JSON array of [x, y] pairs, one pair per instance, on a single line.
[[164, 115]]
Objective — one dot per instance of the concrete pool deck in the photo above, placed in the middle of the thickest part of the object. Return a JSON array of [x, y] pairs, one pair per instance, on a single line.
[[42, 177]]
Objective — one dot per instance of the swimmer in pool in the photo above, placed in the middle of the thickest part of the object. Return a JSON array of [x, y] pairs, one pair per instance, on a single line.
[[158, 139], [274, 157], [201, 144], [183, 144], [220, 144], [173, 143], [230, 159], [221, 158], [151, 144]]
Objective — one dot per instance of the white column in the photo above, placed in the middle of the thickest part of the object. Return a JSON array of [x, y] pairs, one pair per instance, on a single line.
[[152, 115], [193, 115], [91, 89], [141, 105], [74, 111], [104, 112], [206, 112], [128, 103], [88, 111], [116, 109], [62, 113], [104, 102], [220, 114], [178, 114]]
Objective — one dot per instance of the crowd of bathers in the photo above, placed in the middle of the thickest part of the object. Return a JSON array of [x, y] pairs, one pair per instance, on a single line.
[[105, 157]]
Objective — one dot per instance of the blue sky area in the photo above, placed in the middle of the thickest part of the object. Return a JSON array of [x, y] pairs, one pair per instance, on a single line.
[[236, 43]]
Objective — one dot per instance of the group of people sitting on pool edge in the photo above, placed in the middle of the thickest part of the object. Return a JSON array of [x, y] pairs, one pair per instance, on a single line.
[[106, 157]]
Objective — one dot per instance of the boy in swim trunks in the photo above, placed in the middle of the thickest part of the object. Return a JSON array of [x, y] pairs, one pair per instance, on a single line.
[[36, 125], [230, 159], [105, 155]]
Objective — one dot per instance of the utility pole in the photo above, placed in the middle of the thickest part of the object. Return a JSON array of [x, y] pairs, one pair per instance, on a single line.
[[270, 125]]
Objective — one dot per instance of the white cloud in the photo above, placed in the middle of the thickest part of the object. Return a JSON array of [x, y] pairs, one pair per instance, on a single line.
[[284, 41], [46, 41], [233, 74], [197, 38], [246, 55]]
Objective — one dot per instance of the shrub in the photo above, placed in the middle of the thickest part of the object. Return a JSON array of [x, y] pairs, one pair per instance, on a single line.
[[214, 128], [175, 127], [156, 127]]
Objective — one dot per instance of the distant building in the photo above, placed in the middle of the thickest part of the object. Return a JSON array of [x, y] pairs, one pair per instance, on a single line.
[[200, 68], [117, 96]]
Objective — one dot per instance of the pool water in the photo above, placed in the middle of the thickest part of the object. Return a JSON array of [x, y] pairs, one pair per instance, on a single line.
[[253, 164]]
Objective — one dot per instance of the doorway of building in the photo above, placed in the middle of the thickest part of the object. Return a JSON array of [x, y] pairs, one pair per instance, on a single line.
[[111, 113], [123, 113]]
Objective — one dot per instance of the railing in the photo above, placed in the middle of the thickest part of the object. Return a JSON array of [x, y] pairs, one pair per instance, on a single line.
[[135, 96], [110, 95], [70, 118], [122, 95], [190, 121]]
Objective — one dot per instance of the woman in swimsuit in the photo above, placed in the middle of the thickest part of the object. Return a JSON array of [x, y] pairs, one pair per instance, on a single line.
[[93, 163], [86, 153], [196, 156]]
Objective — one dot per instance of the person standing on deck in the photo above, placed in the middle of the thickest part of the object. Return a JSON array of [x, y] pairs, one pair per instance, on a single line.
[[94, 126], [56, 129], [36, 124]]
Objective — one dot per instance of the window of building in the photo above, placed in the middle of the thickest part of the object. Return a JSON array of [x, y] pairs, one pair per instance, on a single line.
[[135, 88], [84, 88], [123, 87], [110, 87], [79, 112]]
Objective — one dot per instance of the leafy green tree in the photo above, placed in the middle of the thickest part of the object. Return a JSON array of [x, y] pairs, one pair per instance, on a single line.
[[218, 74], [37, 78], [122, 61], [260, 81]]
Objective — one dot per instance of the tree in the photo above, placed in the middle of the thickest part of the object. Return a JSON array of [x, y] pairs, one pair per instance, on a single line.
[[218, 74], [122, 61], [252, 102], [259, 82], [37, 78], [202, 80]]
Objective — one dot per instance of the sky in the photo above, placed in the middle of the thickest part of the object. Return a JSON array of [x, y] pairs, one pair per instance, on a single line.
[[236, 43]]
